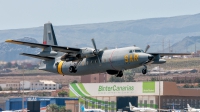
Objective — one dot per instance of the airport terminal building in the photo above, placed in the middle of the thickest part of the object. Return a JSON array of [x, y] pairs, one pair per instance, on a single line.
[[114, 96]]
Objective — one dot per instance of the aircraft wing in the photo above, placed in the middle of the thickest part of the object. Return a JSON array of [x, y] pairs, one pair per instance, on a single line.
[[42, 46], [166, 54]]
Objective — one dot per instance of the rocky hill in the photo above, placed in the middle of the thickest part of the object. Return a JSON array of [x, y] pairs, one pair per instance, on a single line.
[[187, 44], [118, 34]]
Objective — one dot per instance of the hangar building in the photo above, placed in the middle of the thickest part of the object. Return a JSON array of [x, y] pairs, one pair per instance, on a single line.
[[114, 96], [34, 104]]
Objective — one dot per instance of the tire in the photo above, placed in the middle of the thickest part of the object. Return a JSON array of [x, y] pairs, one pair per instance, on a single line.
[[120, 74], [72, 69], [144, 71]]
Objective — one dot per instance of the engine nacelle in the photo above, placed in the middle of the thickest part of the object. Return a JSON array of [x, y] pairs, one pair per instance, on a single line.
[[86, 53], [160, 61]]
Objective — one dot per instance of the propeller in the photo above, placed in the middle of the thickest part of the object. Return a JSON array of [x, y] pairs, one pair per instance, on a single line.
[[150, 57], [96, 51], [147, 48]]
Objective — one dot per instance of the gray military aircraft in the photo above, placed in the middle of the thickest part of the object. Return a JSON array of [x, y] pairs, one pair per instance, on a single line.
[[82, 61]]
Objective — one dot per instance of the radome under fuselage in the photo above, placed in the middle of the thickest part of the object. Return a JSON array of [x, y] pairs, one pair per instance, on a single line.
[[113, 59]]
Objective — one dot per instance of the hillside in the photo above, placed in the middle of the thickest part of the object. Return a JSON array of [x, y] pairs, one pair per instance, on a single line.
[[187, 44], [118, 34]]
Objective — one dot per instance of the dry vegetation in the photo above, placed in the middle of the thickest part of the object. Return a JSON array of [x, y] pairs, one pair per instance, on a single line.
[[187, 63]]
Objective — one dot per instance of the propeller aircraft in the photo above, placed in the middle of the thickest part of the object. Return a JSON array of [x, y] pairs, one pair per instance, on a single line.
[[82, 61]]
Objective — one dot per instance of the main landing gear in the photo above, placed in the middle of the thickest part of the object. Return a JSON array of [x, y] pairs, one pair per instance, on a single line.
[[73, 69], [144, 70], [120, 74]]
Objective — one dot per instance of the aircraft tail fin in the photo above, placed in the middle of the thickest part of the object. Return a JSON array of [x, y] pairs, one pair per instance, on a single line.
[[131, 106], [49, 37], [188, 106]]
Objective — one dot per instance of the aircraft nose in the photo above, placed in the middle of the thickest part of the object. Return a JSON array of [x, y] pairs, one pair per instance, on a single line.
[[150, 57]]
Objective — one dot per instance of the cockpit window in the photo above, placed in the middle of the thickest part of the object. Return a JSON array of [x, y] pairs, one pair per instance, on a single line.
[[130, 51], [137, 51]]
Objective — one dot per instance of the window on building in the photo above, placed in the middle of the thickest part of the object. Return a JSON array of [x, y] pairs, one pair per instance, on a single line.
[[106, 106], [151, 104], [130, 51], [45, 84], [145, 103], [112, 104], [93, 104], [99, 104], [141, 103], [86, 103]]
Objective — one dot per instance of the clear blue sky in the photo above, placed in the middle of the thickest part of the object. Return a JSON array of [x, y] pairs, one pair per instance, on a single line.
[[33, 13]]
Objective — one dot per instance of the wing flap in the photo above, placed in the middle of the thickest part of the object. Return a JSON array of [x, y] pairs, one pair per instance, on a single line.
[[42, 46], [37, 56]]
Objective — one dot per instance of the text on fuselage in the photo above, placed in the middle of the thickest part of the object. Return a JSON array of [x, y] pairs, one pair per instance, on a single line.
[[131, 58]]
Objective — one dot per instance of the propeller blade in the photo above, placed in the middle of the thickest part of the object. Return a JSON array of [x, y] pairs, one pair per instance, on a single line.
[[96, 52], [93, 42], [147, 48], [99, 60]]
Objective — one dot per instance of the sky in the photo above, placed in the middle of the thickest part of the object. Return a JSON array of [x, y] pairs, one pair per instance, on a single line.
[[15, 14]]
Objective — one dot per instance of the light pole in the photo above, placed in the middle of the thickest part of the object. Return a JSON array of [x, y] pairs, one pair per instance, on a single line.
[[23, 92], [159, 89]]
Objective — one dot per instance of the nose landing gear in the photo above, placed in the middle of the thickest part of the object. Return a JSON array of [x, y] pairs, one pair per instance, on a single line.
[[144, 70]]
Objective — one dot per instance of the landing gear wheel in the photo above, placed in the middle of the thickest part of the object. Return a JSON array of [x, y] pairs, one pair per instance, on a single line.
[[144, 71], [120, 74], [72, 69]]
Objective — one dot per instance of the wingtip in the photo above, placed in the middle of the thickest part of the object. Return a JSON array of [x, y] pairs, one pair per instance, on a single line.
[[9, 40]]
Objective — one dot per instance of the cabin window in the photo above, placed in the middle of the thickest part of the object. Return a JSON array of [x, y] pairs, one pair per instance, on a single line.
[[130, 51], [137, 51]]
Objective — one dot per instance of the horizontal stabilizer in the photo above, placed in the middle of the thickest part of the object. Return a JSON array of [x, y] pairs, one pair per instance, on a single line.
[[37, 56]]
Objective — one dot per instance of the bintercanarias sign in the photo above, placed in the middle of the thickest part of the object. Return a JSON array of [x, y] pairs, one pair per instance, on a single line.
[[148, 87], [115, 88]]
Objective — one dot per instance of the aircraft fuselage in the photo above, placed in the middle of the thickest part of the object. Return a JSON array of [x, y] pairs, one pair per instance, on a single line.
[[114, 59]]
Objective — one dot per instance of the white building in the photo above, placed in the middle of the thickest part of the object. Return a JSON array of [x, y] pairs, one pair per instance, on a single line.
[[10, 86], [27, 85], [39, 85]]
